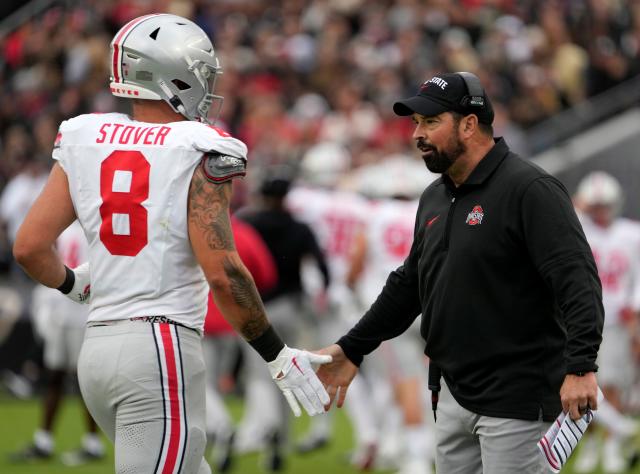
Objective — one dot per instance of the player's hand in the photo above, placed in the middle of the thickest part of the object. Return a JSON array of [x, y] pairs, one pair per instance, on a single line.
[[81, 291], [579, 394], [336, 375], [294, 373]]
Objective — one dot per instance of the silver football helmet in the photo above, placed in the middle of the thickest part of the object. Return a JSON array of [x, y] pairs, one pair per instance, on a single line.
[[600, 188], [324, 164], [166, 57]]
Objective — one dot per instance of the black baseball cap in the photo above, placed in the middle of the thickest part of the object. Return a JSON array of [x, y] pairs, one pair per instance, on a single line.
[[276, 181], [446, 93]]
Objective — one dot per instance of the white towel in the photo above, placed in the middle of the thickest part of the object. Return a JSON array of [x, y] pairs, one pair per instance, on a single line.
[[562, 438]]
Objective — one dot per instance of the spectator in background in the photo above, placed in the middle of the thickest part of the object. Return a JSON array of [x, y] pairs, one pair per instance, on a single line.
[[535, 57]]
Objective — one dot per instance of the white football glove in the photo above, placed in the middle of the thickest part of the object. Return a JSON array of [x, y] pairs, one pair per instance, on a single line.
[[81, 291], [294, 373]]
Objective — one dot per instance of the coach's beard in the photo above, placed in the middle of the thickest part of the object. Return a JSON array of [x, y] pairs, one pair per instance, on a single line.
[[440, 161]]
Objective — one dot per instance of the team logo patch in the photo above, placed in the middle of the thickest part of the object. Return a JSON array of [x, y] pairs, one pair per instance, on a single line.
[[475, 216]]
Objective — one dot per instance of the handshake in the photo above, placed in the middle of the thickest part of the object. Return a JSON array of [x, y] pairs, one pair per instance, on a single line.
[[294, 372]]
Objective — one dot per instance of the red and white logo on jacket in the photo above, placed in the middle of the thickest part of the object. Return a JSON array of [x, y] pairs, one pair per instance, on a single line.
[[475, 216]]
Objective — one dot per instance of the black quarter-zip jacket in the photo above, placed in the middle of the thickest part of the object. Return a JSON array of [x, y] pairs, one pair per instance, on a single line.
[[507, 286]]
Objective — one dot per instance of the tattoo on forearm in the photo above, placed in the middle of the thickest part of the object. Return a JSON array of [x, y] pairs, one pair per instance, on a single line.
[[246, 296], [209, 211]]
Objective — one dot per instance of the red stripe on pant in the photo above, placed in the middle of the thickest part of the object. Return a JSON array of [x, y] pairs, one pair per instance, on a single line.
[[174, 402]]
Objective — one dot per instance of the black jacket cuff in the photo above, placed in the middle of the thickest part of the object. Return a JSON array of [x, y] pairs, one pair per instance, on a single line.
[[581, 367], [350, 351]]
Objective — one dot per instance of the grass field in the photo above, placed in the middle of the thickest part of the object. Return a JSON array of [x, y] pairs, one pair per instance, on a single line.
[[18, 419]]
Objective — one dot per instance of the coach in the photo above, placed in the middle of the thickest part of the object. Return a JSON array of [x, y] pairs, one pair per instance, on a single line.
[[506, 283]]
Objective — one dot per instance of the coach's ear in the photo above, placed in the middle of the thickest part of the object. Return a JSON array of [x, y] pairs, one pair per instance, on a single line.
[[468, 125]]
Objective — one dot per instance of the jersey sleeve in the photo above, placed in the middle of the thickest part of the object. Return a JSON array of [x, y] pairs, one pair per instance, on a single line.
[[57, 144], [210, 139], [65, 135]]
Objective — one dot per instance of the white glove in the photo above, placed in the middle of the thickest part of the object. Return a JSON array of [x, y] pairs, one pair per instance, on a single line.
[[81, 291], [294, 373]]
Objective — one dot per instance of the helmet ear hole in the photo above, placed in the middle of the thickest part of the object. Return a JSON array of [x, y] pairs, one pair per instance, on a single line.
[[181, 85]]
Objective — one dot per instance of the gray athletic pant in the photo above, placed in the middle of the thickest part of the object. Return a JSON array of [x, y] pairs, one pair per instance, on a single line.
[[467, 443], [144, 384]]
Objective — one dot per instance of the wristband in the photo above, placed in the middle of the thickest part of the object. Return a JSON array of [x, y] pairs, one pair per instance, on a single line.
[[69, 281], [268, 344]]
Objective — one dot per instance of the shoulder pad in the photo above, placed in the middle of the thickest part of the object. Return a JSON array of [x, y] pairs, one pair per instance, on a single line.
[[219, 168]]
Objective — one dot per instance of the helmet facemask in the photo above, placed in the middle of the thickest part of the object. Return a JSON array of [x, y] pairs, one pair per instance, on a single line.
[[207, 75]]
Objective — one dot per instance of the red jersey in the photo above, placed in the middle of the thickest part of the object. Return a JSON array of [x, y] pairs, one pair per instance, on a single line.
[[258, 260]]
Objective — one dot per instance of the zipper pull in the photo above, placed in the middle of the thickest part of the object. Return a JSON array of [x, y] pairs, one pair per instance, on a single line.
[[453, 199]]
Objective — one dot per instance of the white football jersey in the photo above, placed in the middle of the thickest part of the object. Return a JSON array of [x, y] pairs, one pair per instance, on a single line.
[[129, 182], [17, 198], [49, 306], [336, 218], [389, 235], [616, 250]]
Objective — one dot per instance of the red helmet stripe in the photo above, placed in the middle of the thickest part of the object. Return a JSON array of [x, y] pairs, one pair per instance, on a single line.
[[117, 57]]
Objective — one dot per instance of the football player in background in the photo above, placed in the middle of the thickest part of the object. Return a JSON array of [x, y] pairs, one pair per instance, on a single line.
[[265, 423], [16, 198], [221, 345], [337, 216], [400, 365], [615, 242], [61, 323], [152, 193]]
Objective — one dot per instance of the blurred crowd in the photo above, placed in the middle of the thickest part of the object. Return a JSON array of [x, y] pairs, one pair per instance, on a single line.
[[299, 72]]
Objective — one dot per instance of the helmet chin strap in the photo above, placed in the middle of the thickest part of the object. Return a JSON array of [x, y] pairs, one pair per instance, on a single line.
[[174, 100]]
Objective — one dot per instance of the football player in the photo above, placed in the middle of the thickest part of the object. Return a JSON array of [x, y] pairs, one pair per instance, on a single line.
[[615, 242], [152, 192], [394, 184], [337, 217], [61, 324]]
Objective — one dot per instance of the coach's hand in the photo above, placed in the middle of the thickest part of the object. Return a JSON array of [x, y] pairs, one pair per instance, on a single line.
[[294, 373], [337, 375], [81, 290], [578, 394]]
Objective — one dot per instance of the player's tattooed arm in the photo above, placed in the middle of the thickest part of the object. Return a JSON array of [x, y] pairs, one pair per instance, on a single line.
[[245, 294], [209, 210], [211, 238]]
